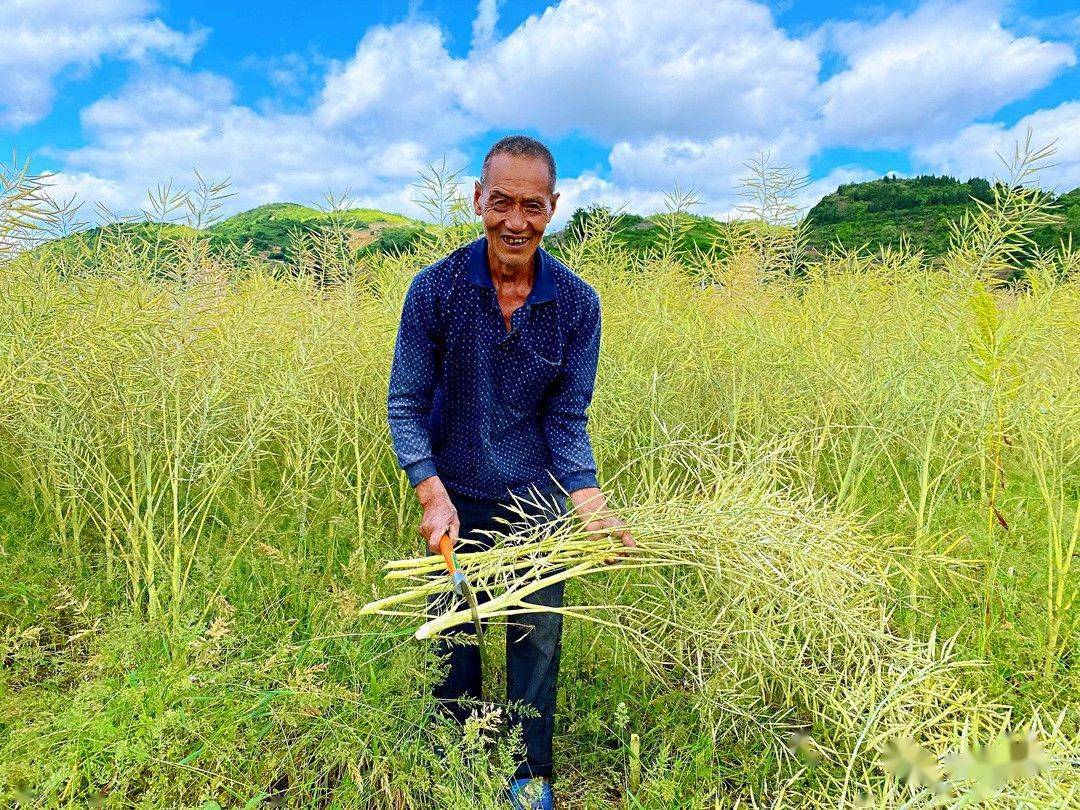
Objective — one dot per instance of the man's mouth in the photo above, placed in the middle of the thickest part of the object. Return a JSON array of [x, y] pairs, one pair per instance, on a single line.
[[515, 241]]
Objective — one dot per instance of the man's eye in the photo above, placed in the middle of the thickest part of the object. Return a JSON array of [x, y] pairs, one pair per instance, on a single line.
[[500, 205], [533, 208]]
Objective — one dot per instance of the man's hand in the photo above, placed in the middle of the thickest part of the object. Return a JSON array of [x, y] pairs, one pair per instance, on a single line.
[[591, 506], [440, 516]]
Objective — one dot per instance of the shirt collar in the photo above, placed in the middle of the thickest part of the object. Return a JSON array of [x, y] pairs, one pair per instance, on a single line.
[[479, 272]]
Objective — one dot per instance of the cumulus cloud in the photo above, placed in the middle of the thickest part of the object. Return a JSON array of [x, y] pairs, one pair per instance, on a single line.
[[608, 68], [714, 167], [167, 123], [612, 69], [974, 150], [621, 69], [589, 188], [680, 93], [44, 39], [401, 79], [86, 188], [684, 92], [483, 27], [641, 174], [911, 78]]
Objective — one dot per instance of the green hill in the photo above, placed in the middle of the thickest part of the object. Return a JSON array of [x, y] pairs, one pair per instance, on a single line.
[[1069, 208], [879, 212], [639, 233], [873, 214], [270, 228], [149, 236]]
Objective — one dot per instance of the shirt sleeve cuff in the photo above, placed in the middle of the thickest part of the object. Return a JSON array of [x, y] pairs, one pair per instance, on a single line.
[[419, 470], [579, 480]]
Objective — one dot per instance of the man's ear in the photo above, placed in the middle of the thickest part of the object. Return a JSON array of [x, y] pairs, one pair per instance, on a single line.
[[554, 200], [476, 199]]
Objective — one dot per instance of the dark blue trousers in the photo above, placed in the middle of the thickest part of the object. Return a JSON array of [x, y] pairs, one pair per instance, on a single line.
[[533, 640]]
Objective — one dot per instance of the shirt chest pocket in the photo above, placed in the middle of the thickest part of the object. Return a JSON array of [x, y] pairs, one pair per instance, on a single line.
[[524, 376]]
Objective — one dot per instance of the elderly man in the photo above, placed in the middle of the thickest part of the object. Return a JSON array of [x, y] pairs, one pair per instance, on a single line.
[[493, 370]]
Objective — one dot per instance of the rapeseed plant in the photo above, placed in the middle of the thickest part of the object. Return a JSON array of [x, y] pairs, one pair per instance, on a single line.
[[199, 496]]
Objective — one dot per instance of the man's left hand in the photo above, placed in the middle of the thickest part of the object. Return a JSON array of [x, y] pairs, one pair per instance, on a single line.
[[591, 505]]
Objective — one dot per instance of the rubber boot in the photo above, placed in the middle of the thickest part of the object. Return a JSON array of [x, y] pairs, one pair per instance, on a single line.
[[531, 794]]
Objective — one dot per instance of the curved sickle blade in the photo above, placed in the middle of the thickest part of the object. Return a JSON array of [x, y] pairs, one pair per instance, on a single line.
[[461, 585]]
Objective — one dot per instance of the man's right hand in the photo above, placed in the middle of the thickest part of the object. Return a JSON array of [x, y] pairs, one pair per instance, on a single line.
[[440, 516]]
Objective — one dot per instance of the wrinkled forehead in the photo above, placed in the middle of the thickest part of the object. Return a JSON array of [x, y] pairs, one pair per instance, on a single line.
[[518, 177]]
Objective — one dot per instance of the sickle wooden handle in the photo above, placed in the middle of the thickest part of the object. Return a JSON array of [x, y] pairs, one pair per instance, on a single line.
[[446, 548]]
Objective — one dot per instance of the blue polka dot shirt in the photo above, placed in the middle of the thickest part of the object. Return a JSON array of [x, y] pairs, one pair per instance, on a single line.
[[492, 411]]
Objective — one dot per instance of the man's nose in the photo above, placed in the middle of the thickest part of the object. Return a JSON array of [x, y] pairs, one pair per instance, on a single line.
[[516, 220]]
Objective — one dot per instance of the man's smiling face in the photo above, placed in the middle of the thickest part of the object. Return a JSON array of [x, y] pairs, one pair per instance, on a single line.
[[516, 204]]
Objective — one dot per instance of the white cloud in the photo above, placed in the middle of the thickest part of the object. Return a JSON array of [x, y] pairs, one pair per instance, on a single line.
[[401, 79], [684, 93], [483, 27], [43, 39], [623, 69], [90, 190], [714, 168], [679, 93], [159, 100], [613, 69], [912, 78], [588, 188], [974, 150], [168, 123], [641, 174]]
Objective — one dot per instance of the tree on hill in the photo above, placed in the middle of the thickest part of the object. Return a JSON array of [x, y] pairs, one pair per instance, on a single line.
[[1068, 232], [885, 211]]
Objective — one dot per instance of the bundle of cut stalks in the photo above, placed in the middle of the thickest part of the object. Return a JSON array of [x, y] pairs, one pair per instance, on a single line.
[[769, 606], [519, 562]]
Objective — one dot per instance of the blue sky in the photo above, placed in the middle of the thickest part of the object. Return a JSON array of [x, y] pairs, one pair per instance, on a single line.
[[291, 101]]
